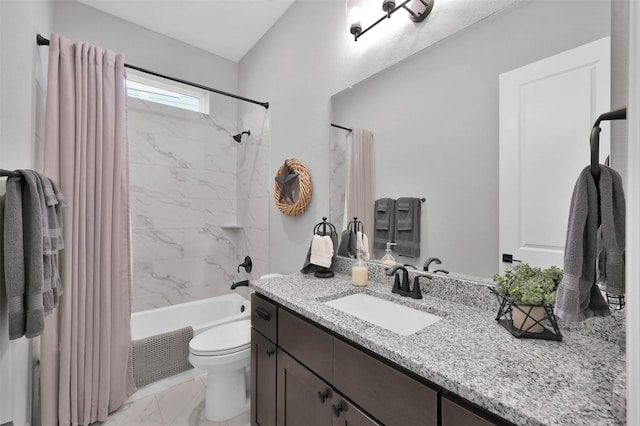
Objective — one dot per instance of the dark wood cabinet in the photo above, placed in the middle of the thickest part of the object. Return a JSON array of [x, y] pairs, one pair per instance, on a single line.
[[347, 414], [388, 394], [457, 413], [303, 398], [263, 380], [305, 375], [307, 343]]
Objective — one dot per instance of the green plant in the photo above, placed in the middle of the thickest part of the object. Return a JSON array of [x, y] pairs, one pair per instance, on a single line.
[[528, 285]]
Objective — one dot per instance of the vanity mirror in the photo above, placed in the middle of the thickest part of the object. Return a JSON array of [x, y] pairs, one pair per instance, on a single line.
[[435, 120]]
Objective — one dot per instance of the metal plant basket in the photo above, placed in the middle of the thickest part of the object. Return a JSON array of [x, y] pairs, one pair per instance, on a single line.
[[548, 323]]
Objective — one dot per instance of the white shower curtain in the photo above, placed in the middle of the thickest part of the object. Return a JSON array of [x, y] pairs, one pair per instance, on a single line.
[[86, 369], [359, 192]]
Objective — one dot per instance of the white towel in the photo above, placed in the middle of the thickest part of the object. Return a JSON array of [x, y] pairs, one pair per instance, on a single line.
[[321, 251], [363, 245]]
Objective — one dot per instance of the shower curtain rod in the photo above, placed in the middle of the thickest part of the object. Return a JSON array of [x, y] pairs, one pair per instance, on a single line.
[[44, 42], [341, 127]]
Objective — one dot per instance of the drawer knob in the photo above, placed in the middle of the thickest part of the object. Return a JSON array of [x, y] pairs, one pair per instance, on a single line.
[[261, 313], [323, 395], [337, 409], [270, 352]]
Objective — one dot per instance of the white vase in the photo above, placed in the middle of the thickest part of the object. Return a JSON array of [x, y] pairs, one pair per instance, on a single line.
[[523, 322]]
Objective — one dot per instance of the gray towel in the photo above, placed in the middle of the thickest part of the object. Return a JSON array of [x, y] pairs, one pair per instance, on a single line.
[[612, 212], [347, 243], [384, 216], [578, 297], [52, 239], [407, 237], [3, 289], [14, 267], [33, 212]]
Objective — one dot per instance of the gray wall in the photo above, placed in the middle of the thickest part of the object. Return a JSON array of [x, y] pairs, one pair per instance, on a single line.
[[619, 82], [304, 59], [20, 21], [435, 121]]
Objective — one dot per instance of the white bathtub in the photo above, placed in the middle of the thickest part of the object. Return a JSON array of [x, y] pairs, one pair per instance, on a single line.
[[200, 314]]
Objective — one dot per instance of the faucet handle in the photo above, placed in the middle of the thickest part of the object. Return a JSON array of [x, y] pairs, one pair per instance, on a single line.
[[416, 293], [396, 285]]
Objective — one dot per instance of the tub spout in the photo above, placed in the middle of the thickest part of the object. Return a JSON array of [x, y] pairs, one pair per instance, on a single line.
[[240, 284]]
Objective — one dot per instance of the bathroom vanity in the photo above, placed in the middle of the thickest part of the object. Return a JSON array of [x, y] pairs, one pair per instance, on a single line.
[[315, 365]]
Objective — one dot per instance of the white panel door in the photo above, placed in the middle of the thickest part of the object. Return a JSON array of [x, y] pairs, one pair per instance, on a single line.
[[547, 109]]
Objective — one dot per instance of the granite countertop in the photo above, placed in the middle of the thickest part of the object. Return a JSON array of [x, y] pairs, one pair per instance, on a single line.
[[526, 381]]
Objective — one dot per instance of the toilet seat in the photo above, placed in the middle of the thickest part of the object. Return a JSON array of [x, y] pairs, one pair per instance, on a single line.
[[223, 339]]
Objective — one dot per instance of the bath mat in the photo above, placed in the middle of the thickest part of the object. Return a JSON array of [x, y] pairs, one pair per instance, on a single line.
[[160, 356]]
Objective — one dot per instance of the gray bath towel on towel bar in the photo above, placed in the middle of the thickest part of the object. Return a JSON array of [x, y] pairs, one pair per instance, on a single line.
[[384, 227], [408, 212], [160, 356]]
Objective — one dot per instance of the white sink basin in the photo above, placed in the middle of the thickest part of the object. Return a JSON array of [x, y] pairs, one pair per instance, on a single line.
[[392, 316]]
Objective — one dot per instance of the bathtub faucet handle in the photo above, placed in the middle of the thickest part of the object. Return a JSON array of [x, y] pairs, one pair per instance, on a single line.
[[247, 264]]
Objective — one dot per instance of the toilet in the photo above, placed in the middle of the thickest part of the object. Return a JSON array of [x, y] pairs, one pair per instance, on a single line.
[[224, 352]]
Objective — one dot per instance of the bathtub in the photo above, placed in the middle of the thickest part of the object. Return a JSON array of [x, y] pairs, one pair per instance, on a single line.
[[200, 314]]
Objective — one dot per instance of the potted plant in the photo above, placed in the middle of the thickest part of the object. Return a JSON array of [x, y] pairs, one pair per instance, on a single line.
[[529, 289]]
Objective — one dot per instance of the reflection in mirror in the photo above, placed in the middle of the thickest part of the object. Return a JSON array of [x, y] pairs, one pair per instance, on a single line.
[[435, 120]]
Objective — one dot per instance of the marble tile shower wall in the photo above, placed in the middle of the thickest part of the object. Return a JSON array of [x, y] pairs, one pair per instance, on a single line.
[[183, 190], [254, 190]]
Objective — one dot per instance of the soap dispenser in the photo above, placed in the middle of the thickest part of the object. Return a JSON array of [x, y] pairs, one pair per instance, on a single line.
[[359, 272], [388, 258]]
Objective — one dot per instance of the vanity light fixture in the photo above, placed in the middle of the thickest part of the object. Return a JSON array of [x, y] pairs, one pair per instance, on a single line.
[[418, 10]]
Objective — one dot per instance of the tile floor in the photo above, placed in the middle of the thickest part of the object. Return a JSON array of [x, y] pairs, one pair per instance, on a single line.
[[181, 405]]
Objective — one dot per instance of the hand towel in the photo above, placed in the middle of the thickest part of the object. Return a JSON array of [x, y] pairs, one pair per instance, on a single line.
[[321, 251], [407, 235], [309, 267], [384, 224], [363, 245], [612, 213], [578, 297]]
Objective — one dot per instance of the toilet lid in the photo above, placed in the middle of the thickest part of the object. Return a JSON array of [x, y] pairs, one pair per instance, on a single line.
[[223, 339]]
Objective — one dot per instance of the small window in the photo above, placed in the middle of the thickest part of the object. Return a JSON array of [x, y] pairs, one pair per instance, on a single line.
[[167, 92]]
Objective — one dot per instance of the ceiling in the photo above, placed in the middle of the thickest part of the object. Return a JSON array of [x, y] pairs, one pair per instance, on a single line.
[[227, 28]]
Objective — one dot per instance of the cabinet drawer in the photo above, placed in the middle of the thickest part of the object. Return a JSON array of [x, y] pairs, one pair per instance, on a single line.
[[388, 394], [264, 317], [454, 414], [307, 343]]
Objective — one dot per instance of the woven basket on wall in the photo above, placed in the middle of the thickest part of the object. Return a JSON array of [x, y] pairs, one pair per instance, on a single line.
[[304, 178]]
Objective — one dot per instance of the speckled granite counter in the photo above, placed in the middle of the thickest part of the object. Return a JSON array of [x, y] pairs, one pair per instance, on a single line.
[[526, 381]]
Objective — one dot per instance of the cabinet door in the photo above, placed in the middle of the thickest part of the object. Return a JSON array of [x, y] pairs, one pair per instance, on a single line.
[[263, 380], [307, 343], [303, 398], [389, 395], [455, 414], [347, 414]]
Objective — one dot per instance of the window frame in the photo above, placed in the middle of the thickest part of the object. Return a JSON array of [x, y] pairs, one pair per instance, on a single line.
[[165, 84]]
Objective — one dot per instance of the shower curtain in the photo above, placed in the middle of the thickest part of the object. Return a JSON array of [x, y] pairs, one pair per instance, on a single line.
[[86, 369], [359, 192]]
